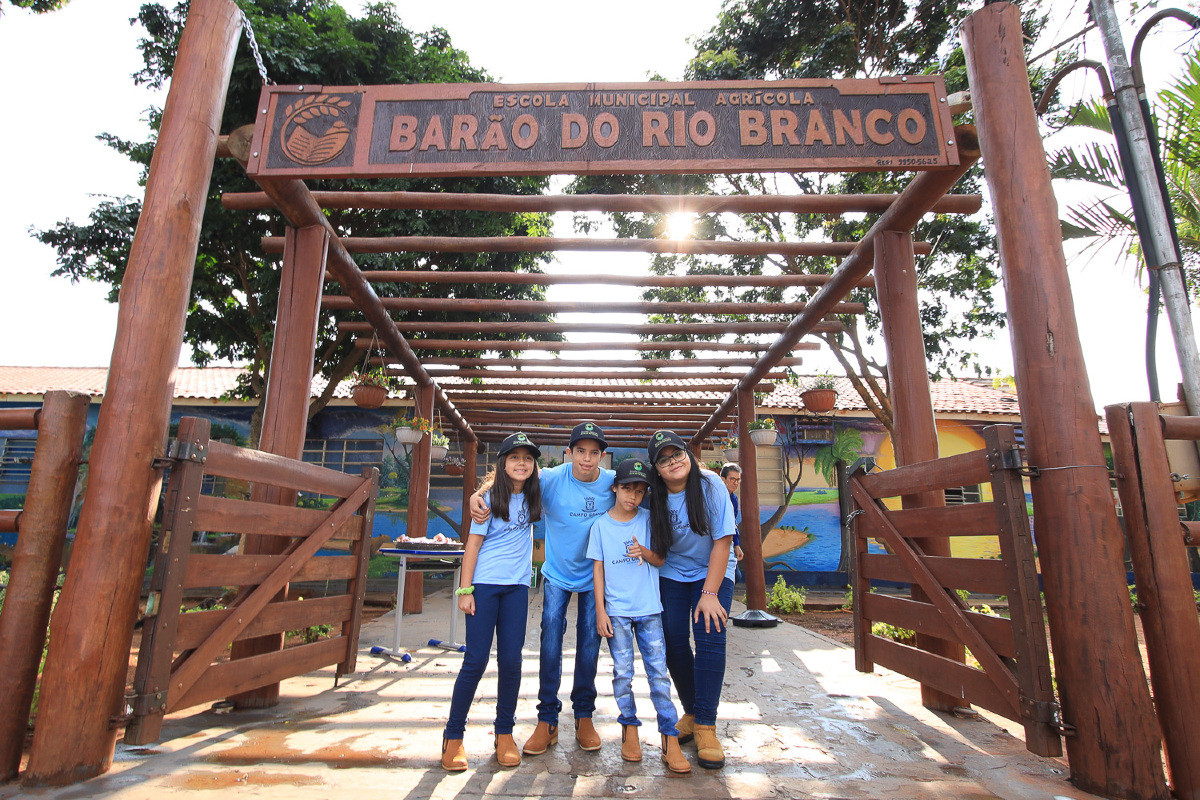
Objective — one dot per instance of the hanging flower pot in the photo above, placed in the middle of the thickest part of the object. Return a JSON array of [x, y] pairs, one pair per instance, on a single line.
[[763, 436], [731, 454], [453, 468], [408, 435], [367, 395], [438, 452], [819, 401]]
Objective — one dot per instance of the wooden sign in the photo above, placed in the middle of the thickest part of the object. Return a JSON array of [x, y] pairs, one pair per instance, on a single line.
[[492, 129]]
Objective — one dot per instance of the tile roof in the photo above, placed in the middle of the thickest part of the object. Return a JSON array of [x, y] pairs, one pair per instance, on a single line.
[[210, 383]]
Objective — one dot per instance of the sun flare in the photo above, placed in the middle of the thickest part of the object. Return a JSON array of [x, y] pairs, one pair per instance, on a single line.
[[681, 225]]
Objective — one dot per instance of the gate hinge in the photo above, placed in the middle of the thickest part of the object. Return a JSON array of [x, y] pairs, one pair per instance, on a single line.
[[1046, 712], [1013, 459], [142, 705], [179, 450]]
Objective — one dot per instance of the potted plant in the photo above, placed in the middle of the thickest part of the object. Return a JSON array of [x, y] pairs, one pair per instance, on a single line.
[[454, 466], [369, 387], [409, 430], [763, 432], [730, 446], [821, 394], [439, 447]]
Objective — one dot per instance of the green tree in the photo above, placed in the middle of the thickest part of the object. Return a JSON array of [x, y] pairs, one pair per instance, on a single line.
[[1108, 216], [37, 6], [761, 39], [234, 288]]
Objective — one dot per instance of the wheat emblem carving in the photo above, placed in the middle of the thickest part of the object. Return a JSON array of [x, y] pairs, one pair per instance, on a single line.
[[308, 144]]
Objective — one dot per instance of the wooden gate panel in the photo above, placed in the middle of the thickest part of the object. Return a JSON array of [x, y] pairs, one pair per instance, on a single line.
[[175, 668], [1015, 677]]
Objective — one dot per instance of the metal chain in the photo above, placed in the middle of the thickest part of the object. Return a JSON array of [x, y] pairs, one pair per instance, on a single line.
[[262, 68]]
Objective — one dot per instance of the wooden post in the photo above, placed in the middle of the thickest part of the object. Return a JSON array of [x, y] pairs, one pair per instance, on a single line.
[[84, 679], [915, 437], [470, 482], [1115, 749], [285, 412], [1164, 585], [43, 526], [751, 533], [418, 501]]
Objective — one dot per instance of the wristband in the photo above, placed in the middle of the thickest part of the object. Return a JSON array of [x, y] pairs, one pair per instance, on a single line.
[[465, 590], [706, 591]]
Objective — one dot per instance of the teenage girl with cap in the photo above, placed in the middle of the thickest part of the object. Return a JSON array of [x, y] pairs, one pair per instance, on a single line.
[[693, 525], [494, 595]]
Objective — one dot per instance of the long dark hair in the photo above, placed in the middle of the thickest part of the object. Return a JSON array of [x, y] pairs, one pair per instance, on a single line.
[[502, 491], [695, 498]]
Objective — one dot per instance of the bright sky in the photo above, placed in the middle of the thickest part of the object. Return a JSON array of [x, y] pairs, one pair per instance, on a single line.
[[61, 171]]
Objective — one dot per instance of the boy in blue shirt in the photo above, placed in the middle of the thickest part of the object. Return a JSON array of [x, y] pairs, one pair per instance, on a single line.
[[628, 606]]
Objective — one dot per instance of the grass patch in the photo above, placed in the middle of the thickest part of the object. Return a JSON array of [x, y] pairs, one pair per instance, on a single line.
[[814, 497]]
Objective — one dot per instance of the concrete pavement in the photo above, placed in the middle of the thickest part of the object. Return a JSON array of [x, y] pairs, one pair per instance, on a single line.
[[797, 721]]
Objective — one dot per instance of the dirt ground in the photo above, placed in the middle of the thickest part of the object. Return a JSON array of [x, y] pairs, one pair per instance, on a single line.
[[836, 624]]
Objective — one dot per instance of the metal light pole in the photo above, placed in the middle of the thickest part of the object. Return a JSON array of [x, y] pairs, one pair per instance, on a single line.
[[1162, 254]]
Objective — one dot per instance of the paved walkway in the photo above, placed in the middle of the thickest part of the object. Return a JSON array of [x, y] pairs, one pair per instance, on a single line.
[[796, 718]]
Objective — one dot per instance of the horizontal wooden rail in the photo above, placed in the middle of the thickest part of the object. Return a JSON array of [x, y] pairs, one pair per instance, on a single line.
[[964, 469], [256, 466], [196, 626], [205, 570], [973, 574], [943, 674], [607, 279], [19, 419], [596, 326], [600, 388], [10, 520], [576, 347], [925, 618], [638, 363], [551, 244], [1180, 427], [266, 519], [970, 519], [480, 415], [582, 374], [473, 398], [645, 203], [499, 306]]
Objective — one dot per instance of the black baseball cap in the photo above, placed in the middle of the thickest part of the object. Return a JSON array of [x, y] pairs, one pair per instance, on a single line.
[[588, 430], [518, 439], [661, 439], [632, 470]]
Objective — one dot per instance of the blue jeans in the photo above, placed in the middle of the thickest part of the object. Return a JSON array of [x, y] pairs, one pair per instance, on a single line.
[[499, 610], [697, 676], [587, 653], [649, 633]]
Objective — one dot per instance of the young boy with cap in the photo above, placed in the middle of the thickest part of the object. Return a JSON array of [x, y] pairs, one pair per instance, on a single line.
[[573, 495], [628, 607]]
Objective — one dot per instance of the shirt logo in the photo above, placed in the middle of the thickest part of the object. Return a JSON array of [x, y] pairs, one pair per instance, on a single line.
[[589, 504], [523, 516]]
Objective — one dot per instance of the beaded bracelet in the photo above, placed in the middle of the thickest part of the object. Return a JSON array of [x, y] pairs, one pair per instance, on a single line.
[[706, 591]]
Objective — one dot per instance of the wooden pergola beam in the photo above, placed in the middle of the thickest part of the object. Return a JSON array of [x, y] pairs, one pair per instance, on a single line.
[[580, 406], [592, 326], [645, 281], [474, 398], [551, 374], [561, 363], [648, 204], [914, 202], [641, 388], [527, 344], [476, 305], [551, 244], [478, 417]]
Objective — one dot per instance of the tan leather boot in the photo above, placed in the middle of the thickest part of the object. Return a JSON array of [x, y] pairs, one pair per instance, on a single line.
[[506, 750], [543, 736], [631, 748], [585, 734], [673, 757], [708, 749], [454, 756], [686, 727]]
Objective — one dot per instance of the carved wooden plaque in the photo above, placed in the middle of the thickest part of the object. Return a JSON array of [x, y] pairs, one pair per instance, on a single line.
[[711, 127]]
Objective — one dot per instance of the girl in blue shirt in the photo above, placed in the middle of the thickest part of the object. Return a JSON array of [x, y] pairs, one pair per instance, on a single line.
[[494, 595], [692, 523]]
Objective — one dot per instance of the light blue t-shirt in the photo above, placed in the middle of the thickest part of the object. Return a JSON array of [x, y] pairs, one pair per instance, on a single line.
[[506, 557], [630, 588], [687, 560], [569, 506]]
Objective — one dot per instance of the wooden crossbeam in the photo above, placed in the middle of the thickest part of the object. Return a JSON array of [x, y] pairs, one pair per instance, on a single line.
[[467, 397], [647, 203], [526, 344], [642, 281], [560, 363], [549, 374], [592, 326], [640, 388], [501, 306]]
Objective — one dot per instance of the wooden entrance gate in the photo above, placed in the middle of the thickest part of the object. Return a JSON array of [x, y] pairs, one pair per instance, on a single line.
[[176, 666], [1014, 678]]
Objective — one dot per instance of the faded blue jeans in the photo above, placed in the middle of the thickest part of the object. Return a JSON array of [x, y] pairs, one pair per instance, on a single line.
[[697, 676], [587, 653], [649, 633]]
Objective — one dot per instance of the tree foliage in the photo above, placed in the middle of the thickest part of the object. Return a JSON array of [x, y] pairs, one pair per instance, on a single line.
[[791, 39], [234, 288]]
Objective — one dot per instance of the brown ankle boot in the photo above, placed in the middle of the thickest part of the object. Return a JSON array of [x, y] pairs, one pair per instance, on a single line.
[[543, 736], [686, 727], [506, 750], [454, 756], [708, 748], [631, 748], [673, 757], [585, 734]]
